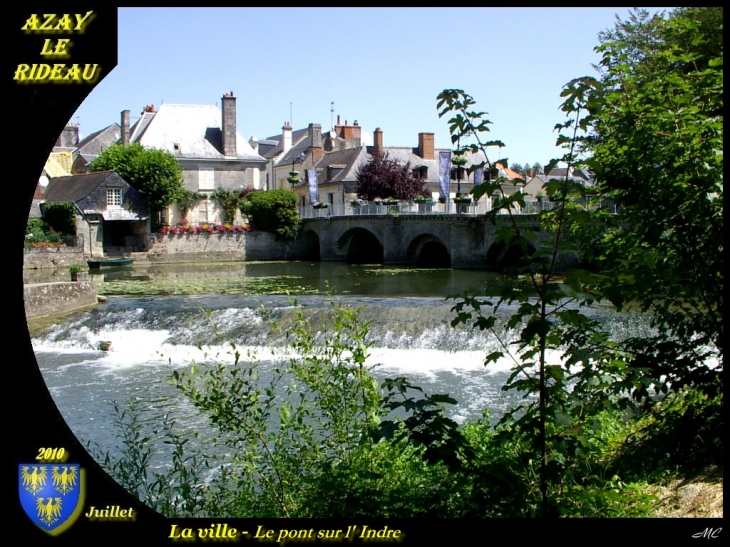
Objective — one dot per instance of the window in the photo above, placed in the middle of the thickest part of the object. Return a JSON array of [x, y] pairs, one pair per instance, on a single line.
[[206, 180], [421, 172], [202, 211], [334, 170], [114, 198], [459, 173]]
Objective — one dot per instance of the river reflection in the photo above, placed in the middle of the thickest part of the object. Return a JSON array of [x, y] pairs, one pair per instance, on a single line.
[[289, 277]]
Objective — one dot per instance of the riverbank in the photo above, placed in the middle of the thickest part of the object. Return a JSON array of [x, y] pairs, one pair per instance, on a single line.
[[697, 495]]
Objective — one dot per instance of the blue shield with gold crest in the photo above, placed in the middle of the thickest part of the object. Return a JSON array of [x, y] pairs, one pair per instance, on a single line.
[[51, 494]]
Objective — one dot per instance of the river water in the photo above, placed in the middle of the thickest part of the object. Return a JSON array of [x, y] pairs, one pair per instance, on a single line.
[[164, 318]]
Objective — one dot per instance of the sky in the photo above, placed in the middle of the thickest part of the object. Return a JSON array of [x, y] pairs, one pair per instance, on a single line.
[[383, 67]]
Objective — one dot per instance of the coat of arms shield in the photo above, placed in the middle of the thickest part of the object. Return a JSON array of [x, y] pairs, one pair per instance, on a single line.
[[51, 494]]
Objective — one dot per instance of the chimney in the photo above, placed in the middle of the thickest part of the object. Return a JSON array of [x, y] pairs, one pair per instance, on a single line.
[[286, 137], [346, 132], [356, 134], [425, 146], [378, 140], [125, 126], [315, 135], [228, 128], [530, 173], [317, 153], [69, 136]]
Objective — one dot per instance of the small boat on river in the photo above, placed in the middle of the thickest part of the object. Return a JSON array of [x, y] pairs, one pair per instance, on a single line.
[[109, 262]]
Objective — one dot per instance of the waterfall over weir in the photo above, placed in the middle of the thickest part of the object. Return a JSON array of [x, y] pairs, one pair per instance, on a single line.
[[149, 337]]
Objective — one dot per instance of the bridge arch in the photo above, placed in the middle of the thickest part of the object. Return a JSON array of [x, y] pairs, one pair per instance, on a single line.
[[428, 251], [363, 247], [310, 240], [502, 255]]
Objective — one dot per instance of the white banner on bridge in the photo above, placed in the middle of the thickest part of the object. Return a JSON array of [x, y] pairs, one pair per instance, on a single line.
[[479, 176], [444, 174], [312, 176]]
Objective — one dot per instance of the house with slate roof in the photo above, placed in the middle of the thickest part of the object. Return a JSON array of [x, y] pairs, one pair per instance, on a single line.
[[424, 162], [535, 185], [58, 164], [288, 148], [337, 172], [89, 148], [111, 216], [302, 149], [207, 145], [336, 177]]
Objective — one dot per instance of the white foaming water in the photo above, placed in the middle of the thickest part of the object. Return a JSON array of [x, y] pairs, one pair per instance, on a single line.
[[134, 345], [429, 361]]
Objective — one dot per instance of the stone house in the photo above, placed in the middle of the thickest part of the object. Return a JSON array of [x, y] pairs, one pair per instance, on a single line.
[[337, 171], [304, 148], [282, 152], [208, 147], [535, 185], [336, 177], [424, 163], [111, 216], [89, 148]]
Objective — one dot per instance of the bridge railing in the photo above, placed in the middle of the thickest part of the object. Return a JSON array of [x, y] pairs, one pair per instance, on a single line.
[[481, 207]]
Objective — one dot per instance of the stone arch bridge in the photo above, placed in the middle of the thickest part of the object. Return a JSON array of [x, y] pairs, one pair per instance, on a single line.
[[456, 241]]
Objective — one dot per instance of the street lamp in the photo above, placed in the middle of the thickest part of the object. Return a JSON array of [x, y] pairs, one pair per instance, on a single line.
[[459, 161], [294, 179]]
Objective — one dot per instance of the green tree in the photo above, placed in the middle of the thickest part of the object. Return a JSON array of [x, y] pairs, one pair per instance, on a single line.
[[273, 211], [651, 129], [548, 300], [61, 217], [154, 173], [657, 150]]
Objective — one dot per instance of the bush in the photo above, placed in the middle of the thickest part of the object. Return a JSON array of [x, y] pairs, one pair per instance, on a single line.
[[309, 435], [76, 267], [61, 217], [39, 234], [299, 436], [274, 211]]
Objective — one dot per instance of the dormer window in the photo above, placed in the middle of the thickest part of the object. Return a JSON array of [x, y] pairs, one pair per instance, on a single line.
[[421, 172], [333, 170], [114, 198]]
